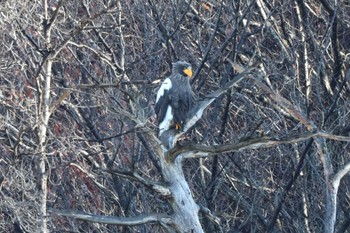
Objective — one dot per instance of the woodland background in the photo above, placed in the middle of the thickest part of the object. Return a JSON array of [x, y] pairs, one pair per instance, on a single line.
[[74, 76]]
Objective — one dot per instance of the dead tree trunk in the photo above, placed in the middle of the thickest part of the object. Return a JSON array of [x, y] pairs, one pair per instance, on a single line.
[[43, 115], [185, 210]]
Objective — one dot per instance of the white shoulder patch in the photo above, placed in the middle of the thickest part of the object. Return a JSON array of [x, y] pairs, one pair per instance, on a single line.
[[166, 85], [165, 124]]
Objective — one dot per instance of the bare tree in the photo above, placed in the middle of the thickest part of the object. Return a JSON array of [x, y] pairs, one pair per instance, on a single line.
[[265, 149]]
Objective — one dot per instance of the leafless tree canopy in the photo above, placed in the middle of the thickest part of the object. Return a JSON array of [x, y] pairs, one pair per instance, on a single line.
[[266, 149]]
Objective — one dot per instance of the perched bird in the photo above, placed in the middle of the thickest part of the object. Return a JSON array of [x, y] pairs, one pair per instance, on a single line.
[[175, 98]]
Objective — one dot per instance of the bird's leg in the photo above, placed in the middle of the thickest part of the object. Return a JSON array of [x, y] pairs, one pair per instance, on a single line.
[[177, 126]]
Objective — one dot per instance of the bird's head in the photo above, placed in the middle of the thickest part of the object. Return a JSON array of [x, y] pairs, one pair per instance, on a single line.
[[183, 68]]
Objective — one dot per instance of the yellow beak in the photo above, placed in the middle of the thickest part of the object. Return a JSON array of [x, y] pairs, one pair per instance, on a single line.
[[188, 72]]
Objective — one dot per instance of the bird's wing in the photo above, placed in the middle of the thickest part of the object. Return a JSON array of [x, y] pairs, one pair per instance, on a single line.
[[181, 104], [163, 99]]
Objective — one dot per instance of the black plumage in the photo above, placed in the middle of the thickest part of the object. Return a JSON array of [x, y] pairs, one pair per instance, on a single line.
[[175, 98]]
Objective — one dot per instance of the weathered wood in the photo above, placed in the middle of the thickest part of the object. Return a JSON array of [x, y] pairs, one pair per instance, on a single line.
[[185, 209]]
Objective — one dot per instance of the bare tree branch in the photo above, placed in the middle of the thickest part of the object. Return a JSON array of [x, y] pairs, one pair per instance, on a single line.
[[124, 221], [249, 144], [156, 186]]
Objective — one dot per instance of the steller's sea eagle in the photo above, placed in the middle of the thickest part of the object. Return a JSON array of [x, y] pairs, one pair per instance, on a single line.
[[175, 98]]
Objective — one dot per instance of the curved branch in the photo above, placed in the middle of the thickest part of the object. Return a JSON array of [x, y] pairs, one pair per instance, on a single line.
[[192, 149], [332, 191], [125, 221], [341, 173]]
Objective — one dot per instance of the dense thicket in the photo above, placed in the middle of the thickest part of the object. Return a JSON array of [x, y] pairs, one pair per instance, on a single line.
[[77, 90]]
